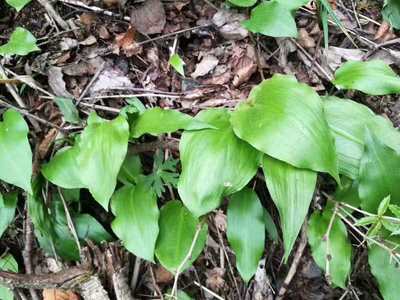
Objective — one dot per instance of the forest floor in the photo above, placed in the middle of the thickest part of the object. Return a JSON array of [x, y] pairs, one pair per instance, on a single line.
[[115, 50]]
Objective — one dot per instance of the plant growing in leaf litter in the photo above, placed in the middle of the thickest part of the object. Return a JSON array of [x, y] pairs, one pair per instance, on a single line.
[[284, 127]]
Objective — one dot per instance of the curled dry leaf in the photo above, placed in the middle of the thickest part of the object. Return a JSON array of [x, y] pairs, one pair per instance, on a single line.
[[244, 64], [149, 18], [383, 30], [57, 83], [162, 275], [110, 78], [305, 39]]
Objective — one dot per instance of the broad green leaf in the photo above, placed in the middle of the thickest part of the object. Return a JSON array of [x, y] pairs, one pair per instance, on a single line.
[[156, 121], [102, 150], [215, 163], [379, 174], [136, 219], [384, 268], [15, 151], [292, 190], [21, 42], [8, 204], [9, 264], [18, 4], [177, 63], [348, 193], [68, 109], [246, 231], [271, 227], [272, 18], [373, 77], [243, 3], [63, 169], [130, 170], [395, 209], [285, 119], [88, 228], [339, 245], [347, 120], [177, 231], [391, 13]]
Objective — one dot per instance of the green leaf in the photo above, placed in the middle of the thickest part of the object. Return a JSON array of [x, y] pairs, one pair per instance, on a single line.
[[385, 271], [246, 231], [373, 77], [365, 221], [383, 206], [102, 150], [9, 264], [391, 13], [157, 121], [21, 42], [285, 119], [271, 227], [15, 151], [68, 109], [18, 4], [348, 193], [177, 63], [136, 219], [63, 169], [177, 231], [8, 204], [88, 228], [379, 174], [291, 190], [340, 248], [130, 170], [347, 120], [395, 209], [215, 163], [272, 18], [243, 3]]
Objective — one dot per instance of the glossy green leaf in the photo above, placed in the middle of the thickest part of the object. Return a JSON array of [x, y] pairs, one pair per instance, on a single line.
[[292, 190], [9, 264], [21, 42], [347, 120], [391, 13], [271, 227], [285, 119], [88, 228], [18, 4], [177, 231], [384, 268], [339, 245], [15, 151], [373, 77], [136, 219], [246, 231], [68, 110], [272, 18], [215, 163], [243, 3], [156, 121], [63, 169], [379, 174], [130, 170], [8, 204], [102, 150], [177, 63]]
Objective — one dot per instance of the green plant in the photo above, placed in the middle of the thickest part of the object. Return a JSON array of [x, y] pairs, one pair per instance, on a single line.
[[21, 42], [284, 127]]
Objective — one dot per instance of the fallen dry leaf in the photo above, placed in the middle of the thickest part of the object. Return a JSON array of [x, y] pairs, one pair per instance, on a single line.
[[46, 143], [126, 42], [110, 78], [149, 18], [305, 39], [162, 275], [54, 294], [205, 66], [229, 24], [215, 279], [57, 83], [382, 30]]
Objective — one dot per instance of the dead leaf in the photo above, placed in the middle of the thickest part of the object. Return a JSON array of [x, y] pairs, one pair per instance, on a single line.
[[262, 287], [87, 19], [90, 40], [57, 83], [103, 33], [149, 18], [54, 294], [68, 44], [229, 24], [111, 3], [47, 142], [82, 68], [205, 66], [382, 30], [220, 220]]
